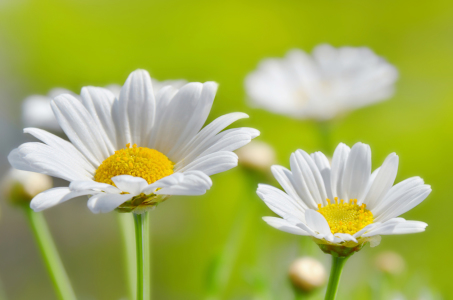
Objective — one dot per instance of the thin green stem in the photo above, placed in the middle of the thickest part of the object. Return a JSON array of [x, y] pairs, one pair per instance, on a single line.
[[325, 136], [335, 274], [126, 223], [50, 255], [147, 256], [141, 233]]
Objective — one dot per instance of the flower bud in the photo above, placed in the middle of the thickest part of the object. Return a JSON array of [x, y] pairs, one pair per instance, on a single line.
[[307, 274], [22, 186], [390, 262], [257, 155]]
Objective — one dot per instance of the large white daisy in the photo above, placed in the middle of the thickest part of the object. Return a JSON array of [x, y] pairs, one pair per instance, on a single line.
[[343, 203], [329, 82], [133, 151]]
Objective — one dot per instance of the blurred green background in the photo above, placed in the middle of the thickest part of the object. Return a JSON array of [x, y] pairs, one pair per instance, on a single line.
[[72, 43]]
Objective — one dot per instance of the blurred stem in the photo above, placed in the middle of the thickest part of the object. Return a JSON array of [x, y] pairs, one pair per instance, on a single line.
[[335, 274], [325, 136], [50, 255], [223, 265], [142, 255], [126, 223]]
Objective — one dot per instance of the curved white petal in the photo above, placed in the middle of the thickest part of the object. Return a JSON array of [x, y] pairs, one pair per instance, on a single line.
[[284, 225], [52, 197], [213, 163], [90, 185], [103, 203], [99, 102], [80, 128], [133, 185], [317, 222], [286, 180], [203, 139], [193, 183], [323, 165], [397, 226], [135, 110], [340, 157], [282, 204], [384, 180], [357, 172]]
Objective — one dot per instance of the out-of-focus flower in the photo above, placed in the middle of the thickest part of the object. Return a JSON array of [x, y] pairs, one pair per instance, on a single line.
[[365, 206], [390, 262], [257, 155], [330, 82], [36, 110], [157, 85], [307, 274], [21, 186], [133, 152]]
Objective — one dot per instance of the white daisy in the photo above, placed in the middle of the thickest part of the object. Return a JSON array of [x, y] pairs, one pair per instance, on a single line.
[[330, 82], [343, 203], [134, 151]]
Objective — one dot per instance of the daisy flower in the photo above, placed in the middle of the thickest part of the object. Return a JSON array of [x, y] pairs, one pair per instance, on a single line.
[[321, 86], [133, 151], [342, 205]]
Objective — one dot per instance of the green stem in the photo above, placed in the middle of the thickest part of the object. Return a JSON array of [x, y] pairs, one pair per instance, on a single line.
[[126, 223], [147, 255], [335, 274], [325, 136], [142, 251], [50, 255]]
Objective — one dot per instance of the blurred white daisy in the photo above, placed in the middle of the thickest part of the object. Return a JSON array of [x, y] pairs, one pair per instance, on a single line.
[[21, 186], [343, 203], [37, 112], [329, 82], [134, 151]]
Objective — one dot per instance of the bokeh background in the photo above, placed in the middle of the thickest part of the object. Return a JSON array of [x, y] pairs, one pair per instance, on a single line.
[[73, 43]]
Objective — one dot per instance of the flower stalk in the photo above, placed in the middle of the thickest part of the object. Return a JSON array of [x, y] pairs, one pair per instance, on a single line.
[[338, 263], [142, 255], [50, 255]]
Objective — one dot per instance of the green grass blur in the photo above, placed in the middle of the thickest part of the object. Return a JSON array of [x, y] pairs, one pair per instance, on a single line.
[[73, 43]]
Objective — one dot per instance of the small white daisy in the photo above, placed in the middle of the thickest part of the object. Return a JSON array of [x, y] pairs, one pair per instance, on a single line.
[[330, 82], [343, 203], [133, 151]]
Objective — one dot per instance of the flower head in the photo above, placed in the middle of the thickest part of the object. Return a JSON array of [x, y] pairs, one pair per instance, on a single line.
[[133, 151], [307, 274], [21, 186], [257, 155], [343, 205], [329, 82]]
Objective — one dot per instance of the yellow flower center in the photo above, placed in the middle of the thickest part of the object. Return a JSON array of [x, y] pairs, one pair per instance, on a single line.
[[143, 162], [346, 217]]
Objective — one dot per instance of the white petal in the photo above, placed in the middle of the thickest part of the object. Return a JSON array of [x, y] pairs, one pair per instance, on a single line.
[[339, 160], [397, 226], [184, 116], [204, 138], [192, 183], [65, 147], [323, 165], [103, 203], [41, 158], [285, 178], [284, 225], [99, 102], [135, 109], [51, 198], [383, 181], [78, 186], [399, 204], [213, 163], [317, 222], [345, 237], [281, 203], [357, 172], [132, 185], [80, 128], [228, 140]]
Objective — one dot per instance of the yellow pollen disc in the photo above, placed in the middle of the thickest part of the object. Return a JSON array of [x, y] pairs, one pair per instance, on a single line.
[[346, 217], [146, 163]]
